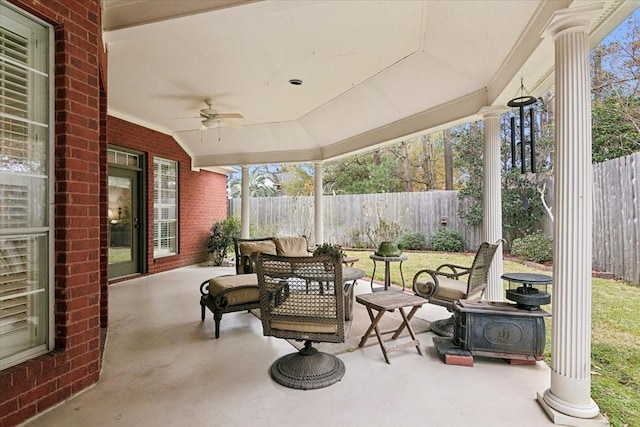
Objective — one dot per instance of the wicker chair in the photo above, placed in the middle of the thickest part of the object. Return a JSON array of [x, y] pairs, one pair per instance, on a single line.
[[247, 250], [444, 288], [302, 298]]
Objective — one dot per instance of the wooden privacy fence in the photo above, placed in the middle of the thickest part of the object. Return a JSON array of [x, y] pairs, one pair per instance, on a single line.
[[358, 219], [616, 217], [350, 220]]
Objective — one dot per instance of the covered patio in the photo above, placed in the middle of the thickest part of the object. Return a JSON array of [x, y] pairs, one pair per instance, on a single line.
[[382, 72], [308, 81], [162, 367]]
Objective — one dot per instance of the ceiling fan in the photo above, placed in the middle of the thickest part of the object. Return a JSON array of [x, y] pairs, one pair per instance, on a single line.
[[212, 119]]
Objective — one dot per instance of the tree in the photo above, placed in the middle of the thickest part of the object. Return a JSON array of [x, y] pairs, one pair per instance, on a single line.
[[406, 167], [522, 208], [613, 134], [428, 163], [616, 93], [297, 180], [375, 172], [263, 182], [448, 161]]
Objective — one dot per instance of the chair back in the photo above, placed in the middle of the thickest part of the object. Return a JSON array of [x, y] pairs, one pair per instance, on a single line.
[[479, 269], [244, 248], [301, 298]]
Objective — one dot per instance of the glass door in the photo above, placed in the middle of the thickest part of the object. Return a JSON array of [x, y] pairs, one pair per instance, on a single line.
[[124, 222]]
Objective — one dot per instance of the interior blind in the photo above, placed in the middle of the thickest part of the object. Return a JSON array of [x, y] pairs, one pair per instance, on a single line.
[[22, 180], [165, 206]]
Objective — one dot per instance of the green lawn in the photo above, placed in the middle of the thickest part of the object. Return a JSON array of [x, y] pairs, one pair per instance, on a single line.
[[615, 346]]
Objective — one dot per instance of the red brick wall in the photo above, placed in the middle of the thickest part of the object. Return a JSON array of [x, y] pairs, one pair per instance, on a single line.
[[202, 195], [82, 131], [36, 385]]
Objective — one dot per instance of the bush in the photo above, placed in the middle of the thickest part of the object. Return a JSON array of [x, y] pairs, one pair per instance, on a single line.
[[536, 247], [220, 238], [413, 240], [446, 240], [356, 239]]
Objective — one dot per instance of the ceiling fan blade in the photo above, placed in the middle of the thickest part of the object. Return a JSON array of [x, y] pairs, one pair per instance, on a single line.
[[231, 116], [232, 124]]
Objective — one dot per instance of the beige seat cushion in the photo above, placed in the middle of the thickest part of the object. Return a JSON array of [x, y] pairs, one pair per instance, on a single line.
[[449, 289], [292, 246], [265, 247], [297, 310], [217, 285]]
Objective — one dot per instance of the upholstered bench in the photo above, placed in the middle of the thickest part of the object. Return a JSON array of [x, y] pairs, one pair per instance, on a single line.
[[226, 294]]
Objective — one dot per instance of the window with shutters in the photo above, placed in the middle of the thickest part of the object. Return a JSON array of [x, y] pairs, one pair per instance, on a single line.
[[25, 186], [165, 207]]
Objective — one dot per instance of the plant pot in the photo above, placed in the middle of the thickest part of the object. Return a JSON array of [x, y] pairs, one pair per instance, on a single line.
[[388, 249]]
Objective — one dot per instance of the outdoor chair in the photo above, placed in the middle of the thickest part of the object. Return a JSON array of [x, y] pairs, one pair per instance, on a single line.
[[244, 248], [302, 298], [247, 250], [443, 286], [239, 292]]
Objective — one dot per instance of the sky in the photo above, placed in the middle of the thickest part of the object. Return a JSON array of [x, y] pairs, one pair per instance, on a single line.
[[621, 29]]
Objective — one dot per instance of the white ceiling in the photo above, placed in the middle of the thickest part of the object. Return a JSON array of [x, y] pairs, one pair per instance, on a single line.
[[372, 71]]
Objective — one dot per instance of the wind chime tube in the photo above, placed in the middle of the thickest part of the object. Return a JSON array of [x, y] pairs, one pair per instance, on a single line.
[[513, 142], [522, 156], [532, 128]]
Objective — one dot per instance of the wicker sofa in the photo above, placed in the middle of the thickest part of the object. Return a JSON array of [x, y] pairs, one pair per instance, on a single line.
[[227, 294]]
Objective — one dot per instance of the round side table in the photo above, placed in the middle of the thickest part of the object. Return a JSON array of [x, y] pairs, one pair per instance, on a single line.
[[387, 269]]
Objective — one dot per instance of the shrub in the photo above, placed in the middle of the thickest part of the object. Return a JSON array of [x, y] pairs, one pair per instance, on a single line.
[[356, 239], [382, 232], [536, 247], [220, 238], [413, 240], [446, 240]]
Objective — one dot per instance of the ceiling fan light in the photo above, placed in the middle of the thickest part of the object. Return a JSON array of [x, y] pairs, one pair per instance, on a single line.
[[210, 123]]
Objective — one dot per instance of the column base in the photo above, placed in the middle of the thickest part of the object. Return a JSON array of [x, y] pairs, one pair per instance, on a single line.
[[568, 420]]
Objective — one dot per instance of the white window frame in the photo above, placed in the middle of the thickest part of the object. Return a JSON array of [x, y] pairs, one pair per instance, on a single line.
[[165, 213], [39, 255]]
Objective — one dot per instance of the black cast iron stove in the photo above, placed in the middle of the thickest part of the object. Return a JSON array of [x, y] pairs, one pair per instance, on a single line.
[[495, 329]]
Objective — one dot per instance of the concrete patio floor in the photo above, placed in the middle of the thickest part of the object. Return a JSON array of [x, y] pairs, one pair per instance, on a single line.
[[162, 367]]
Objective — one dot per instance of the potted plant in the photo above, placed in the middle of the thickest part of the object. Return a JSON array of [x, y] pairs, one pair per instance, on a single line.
[[334, 251]]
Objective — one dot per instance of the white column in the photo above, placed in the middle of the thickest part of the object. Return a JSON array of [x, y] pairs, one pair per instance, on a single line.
[[492, 197], [318, 205], [568, 400], [245, 203]]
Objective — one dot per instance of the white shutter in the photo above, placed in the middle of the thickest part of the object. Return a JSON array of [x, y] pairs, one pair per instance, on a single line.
[[24, 183], [165, 207]]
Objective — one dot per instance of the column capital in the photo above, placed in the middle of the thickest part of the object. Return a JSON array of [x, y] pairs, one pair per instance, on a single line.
[[490, 111], [570, 20]]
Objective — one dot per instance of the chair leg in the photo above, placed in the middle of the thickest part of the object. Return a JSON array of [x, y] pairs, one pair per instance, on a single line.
[[217, 317], [201, 311]]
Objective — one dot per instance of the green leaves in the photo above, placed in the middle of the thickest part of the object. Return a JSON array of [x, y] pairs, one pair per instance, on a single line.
[[220, 238]]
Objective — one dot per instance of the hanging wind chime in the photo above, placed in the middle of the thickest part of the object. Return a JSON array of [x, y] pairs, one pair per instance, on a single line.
[[520, 137]]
